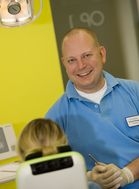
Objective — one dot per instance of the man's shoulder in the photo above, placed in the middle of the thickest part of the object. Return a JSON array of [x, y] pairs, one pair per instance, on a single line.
[[60, 102], [57, 107], [128, 82], [121, 81]]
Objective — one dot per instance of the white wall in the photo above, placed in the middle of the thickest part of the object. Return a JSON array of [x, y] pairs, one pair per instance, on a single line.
[[128, 37]]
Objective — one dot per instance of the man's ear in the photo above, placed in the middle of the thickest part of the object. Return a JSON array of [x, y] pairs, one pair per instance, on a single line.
[[103, 53], [62, 60]]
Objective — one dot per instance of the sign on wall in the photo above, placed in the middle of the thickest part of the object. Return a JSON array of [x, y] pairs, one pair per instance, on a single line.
[[7, 141]]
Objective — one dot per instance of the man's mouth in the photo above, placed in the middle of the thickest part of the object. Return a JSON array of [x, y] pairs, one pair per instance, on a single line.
[[84, 73]]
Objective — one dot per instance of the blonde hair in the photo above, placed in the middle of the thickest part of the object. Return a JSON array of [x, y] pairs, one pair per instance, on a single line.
[[40, 135]]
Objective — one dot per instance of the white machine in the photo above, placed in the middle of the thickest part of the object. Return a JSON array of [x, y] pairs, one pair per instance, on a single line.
[[61, 171]]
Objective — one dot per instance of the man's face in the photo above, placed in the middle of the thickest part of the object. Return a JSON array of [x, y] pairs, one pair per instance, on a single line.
[[83, 59]]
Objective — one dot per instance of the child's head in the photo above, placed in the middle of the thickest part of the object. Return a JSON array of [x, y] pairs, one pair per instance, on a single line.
[[40, 135]]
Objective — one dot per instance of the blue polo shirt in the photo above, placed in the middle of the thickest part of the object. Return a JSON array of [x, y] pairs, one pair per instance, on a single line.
[[102, 129]]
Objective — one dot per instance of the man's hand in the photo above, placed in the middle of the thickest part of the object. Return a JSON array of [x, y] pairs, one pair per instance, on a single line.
[[109, 176]]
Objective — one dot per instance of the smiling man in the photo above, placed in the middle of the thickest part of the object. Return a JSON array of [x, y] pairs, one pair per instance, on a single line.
[[83, 59], [99, 113]]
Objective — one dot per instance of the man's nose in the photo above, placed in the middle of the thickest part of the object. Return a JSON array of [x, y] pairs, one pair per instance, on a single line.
[[81, 63]]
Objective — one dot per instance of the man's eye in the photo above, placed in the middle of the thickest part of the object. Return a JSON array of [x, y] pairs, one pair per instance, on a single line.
[[88, 55], [71, 60]]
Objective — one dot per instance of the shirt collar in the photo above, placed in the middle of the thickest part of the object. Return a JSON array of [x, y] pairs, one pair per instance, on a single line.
[[111, 83]]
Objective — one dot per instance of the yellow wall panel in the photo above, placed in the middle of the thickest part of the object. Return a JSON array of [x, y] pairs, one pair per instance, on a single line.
[[30, 75]]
